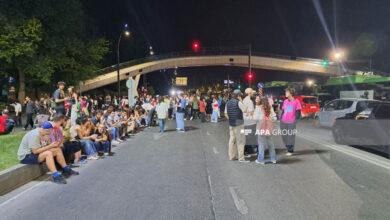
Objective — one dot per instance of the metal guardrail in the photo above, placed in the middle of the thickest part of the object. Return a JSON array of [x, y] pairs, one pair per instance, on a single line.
[[222, 51]]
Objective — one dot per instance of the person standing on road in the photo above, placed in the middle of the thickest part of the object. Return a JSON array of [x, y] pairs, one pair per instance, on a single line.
[[234, 113], [195, 108], [59, 98], [162, 113], [214, 116], [202, 109], [30, 110], [250, 123], [180, 111], [265, 115], [291, 112]]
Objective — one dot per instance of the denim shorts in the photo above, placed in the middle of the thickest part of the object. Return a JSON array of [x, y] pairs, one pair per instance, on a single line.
[[30, 159]]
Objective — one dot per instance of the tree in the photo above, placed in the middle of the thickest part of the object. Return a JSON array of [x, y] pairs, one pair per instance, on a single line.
[[46, 41]]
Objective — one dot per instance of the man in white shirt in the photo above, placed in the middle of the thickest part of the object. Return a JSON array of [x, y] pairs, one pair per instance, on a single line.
[[249, 122], [18, 113]]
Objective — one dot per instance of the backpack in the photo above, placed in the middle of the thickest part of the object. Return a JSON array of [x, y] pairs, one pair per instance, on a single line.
[[266, 125], [9, 125]]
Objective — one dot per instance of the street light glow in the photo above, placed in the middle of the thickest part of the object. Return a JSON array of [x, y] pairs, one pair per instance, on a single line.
[[151, 53], [127, 33], [309, 82]]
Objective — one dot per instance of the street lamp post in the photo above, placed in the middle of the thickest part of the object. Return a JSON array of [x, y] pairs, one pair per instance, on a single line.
[[127, 34]]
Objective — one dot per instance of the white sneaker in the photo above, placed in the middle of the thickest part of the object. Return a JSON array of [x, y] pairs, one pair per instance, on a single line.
[[114, 142], [288, 154], [119, 140], [191, 118], [105, 154]]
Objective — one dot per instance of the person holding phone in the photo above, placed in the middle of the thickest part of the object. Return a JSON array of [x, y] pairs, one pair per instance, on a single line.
[[36, 148]]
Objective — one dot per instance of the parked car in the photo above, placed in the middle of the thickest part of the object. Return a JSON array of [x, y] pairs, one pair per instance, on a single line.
[[309, 105], [369, 128], [339, 108]]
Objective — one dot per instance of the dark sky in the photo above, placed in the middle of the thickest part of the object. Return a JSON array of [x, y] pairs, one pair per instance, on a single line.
[[289, 27]]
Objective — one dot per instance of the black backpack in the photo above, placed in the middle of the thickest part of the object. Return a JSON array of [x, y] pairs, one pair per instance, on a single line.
[[9, 125]]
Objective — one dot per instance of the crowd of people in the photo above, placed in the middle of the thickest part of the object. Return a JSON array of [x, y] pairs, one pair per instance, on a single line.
[[76, 129], [251, 124]]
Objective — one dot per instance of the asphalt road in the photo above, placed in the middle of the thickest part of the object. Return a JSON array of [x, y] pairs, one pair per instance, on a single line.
[[188, 176]]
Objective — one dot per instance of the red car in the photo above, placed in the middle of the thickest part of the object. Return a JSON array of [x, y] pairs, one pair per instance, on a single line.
[[309, 104]]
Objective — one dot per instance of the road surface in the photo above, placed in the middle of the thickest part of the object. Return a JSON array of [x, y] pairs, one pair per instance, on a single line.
[[188, 176]]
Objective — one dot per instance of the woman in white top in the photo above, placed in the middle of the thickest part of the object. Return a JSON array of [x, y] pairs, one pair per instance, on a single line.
[[162, 113]]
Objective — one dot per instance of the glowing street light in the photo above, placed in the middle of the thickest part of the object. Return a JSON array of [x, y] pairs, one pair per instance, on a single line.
[[339, 55], [309, 82]]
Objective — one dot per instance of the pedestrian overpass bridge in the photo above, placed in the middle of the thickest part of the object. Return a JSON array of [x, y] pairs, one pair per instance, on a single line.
[[237, 58]]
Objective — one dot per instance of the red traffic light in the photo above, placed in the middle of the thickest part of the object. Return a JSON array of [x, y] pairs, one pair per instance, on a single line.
[[195, 45], [249, 76]]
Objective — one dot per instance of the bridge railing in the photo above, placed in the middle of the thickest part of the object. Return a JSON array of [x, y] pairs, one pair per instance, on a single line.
[[221, 51]]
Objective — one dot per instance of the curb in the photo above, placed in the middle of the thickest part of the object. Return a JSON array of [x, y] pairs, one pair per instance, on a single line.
[[18, 175]]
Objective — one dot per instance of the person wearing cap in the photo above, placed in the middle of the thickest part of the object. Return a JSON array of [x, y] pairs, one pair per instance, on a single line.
[[234, 113], [250, 122], [59, 98], [36, 148]]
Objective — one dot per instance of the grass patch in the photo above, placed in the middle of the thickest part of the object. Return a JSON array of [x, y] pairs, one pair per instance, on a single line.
[[9, 145]]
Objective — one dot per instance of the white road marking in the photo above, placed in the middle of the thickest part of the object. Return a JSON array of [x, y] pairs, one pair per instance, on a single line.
[[215, 150], [376, 160], [240, 203]]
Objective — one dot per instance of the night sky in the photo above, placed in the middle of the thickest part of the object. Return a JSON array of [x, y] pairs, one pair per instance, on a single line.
[[290, 27]]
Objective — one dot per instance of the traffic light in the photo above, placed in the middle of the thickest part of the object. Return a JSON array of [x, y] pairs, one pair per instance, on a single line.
[[250, 76], [239, 86], [195, 46], [325, 62]]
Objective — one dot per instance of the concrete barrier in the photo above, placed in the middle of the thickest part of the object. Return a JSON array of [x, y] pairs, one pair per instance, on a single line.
[[18, 175]]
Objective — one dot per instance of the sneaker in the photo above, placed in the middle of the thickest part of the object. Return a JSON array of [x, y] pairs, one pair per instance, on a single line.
[[119, 140], [93, 158], [235, 158], [181, 130], [288, 154], [83, 161], [177, 129], [191, 118], [59, 179], [76, 164], [259, 162], [114, 142], [69, 173], [274, 162], [244, 161], [185, 119], [105, 154]]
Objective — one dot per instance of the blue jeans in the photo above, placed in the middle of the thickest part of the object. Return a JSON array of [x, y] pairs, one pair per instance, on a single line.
[[161, 122], [114, 132], [180, 120], [101, 146], [89, 147], [214, 116], [268, 143]]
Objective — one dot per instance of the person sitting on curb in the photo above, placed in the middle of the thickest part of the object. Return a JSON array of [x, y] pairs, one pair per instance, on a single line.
[[35, 149]]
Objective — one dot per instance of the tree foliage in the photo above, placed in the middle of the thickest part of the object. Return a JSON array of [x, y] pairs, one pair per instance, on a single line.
[[47, 41]]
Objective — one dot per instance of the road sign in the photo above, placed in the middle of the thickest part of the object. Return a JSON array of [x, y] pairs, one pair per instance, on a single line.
[[181, 81]]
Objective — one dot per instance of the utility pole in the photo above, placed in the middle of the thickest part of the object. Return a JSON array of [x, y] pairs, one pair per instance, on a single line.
[[250, 62]]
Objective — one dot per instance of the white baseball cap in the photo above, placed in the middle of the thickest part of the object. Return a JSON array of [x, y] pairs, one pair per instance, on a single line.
[[248, 90]]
